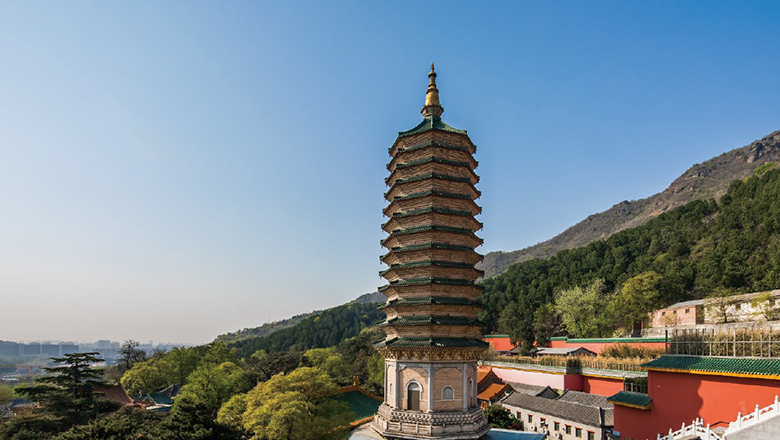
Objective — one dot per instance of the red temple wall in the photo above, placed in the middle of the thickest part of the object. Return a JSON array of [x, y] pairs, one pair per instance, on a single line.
[[681, 397], [602, 386]]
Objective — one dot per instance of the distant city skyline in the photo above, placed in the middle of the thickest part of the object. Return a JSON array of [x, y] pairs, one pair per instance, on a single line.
[[174, 171]]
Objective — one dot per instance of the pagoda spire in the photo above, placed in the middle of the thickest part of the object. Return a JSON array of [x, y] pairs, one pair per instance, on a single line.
[[432, 106]]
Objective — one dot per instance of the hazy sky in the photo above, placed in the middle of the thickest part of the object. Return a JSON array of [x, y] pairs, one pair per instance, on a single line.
[[177, 170]]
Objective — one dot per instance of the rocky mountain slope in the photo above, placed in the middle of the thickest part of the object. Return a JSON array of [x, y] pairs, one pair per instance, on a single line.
[[701, 181]]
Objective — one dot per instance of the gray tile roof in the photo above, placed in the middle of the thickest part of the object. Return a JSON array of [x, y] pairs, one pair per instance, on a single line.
[[585, 398], [525, 388], [575, 408], [563, 351], [695, 302]]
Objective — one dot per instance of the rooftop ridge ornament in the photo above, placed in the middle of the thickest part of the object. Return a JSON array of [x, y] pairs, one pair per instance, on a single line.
[[432, 106]]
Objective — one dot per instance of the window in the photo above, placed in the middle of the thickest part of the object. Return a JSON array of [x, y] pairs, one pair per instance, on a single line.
[[447, 393], [518, 415], [675, 312], [663, 313], [591, 435], [687, 310], [568, 429], [557, 426], [530, 418], [390, 389], [543, 422], [578, 432]]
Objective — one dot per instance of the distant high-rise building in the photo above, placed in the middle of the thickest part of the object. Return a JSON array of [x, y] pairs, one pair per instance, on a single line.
[[103, 343]]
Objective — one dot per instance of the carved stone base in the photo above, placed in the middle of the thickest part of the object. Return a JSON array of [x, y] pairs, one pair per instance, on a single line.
[[413, 425]]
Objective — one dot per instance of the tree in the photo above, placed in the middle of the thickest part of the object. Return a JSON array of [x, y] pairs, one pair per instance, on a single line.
[[265, 366], [191, 419], [327, 360], [231, 413], [212, 385], [637, 297], [127, 423], [295, 406], [130, 354], [721, 304], [183, 361], [546, 323], [499, 417], [510, 322], [583, 311], [376, 374], [147, 377], [65, 397], [6, 393]]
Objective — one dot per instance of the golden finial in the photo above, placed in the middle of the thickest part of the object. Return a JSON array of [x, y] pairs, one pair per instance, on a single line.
[[432, 106]]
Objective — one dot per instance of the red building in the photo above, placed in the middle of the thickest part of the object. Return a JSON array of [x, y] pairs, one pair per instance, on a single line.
[[684, 388]]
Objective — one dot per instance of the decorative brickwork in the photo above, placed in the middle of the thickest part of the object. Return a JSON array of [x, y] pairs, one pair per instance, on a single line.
[[431, 345]]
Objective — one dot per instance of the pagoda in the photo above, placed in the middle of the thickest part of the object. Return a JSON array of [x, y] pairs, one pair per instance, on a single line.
[[431, 345]]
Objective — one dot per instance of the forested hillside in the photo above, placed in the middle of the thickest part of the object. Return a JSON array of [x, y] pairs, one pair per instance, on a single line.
[[326, 329], [703, 181], [273, 327], [695, 249]]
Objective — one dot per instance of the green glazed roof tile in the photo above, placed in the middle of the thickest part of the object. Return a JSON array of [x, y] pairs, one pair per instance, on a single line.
[[362, 405], [424, 246], [768, 368], [613, 340], [432, 143], [427, 228], [429, 300], [428, 280], [435, 193], [433, 176], [435, 160], [432, 342], [428, 320], [430, 123], [429, 263], [431, 210], [628, 398]]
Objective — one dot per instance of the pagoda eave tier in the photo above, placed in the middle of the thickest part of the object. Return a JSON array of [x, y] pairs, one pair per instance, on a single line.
[[431, 181], [432, 331], [424, 234], [404, 144], [451, 283], [393, 291], [409, 158], [420, 269], [433, 165], [431, 199], [432, 216], [431, 251]]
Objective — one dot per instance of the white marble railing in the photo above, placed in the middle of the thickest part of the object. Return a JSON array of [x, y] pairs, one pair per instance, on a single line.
[[695, 428], [756, 416], [705, 433]]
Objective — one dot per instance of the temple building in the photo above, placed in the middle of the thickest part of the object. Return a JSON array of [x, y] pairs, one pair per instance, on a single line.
[[431, 346]]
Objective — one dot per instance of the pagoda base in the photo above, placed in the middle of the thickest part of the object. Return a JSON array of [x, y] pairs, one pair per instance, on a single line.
[[397, 424]]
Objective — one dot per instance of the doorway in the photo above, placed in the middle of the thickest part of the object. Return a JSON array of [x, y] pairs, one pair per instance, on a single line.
[[413, 396]]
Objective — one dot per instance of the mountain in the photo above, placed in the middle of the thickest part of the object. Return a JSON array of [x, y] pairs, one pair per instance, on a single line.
[[702, 181], [323, 329], [273, 327], [705, 246]]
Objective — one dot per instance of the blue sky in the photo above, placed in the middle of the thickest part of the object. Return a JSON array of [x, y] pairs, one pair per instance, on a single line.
[[176, 170]]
